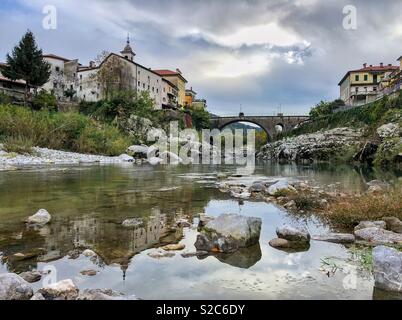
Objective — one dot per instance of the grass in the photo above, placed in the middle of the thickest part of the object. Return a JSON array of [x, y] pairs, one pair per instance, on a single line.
[[363, 255], [22, 128], [348, 212], [18, 144]]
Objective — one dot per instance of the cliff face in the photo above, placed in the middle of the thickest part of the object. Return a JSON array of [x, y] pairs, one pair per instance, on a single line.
[[339, 144], [319, 146]]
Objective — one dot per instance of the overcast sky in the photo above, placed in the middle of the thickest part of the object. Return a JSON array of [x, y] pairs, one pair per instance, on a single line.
[[260, 54]]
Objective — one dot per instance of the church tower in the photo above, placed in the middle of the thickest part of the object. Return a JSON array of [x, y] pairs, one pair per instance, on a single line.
[[128, 52]]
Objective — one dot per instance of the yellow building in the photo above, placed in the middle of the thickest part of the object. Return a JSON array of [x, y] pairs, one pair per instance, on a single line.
[[362, 86], [178, 80], [190, 98]]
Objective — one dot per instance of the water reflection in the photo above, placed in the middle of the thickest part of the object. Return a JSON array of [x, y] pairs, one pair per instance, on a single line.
[[89, 204]]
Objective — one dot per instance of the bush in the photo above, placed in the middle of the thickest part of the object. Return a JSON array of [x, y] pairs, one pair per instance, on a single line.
[[201, 119], [5, 98], [64, 131], [44, 100], [325, 108]]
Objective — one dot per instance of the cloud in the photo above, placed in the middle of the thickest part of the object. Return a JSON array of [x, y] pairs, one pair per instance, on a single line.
[[258, 53]]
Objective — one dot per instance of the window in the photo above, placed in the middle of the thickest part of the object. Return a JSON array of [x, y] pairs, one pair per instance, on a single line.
[[143, 85], [357, 78], [139, 72], [149, 87], [365, 89], [57, 69], [153, 89], [374, 89], [164, 89], [55, 85], [80, 76], [357, 89], [80, 88], [139, 83], [71, 87], [365, 77], [157, 90]]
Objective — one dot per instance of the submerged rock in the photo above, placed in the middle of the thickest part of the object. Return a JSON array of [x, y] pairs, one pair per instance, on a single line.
[[89, 273], [293, 234], [159, 253], [173, 247], [335, 238], [378, 236], [387, 268], [132, 223], [103, 294], [89, 253], [194, 254], [289, 246], [228, 233], [62, 290], [40, 218], [371, 224], [13, 287]]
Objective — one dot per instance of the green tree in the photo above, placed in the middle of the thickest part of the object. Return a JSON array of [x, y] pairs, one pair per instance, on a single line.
[[201, 119], [26, 63], [325, 108]]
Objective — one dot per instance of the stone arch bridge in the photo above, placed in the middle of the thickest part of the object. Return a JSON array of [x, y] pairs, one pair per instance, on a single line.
[[268, 123]]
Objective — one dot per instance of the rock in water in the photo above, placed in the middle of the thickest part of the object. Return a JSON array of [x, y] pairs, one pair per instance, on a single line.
[[280, 186], [62, 290], [132, 223], [31, 276], [371, 224], [89, 253], [293, 234], [41, 218], [13, 287], [228, 233], [173, 247], [103, 294], [393, 224], [126, 158], [387, 268], [153, 161], [378, 236], [336, 238], [138, 151]]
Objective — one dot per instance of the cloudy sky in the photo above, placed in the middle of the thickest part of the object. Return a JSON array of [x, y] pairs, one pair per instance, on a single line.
[[261, 54]]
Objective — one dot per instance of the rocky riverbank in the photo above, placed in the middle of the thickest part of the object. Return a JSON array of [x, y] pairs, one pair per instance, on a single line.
[[339, 145]]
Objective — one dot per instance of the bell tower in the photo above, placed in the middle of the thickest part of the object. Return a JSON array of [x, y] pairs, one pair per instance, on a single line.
[[128, 52]]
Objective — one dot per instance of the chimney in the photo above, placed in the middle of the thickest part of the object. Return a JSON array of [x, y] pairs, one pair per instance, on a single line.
[[371, 65], [381, 64], [178, 70], [364, 65], [389, 64], [92, 64]]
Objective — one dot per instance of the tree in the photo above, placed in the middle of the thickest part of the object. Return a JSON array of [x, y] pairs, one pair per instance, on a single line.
[[26, 63], [201, 118], [325, 108]]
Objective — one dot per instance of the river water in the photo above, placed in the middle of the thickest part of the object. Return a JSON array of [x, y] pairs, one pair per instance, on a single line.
[[89, 203]]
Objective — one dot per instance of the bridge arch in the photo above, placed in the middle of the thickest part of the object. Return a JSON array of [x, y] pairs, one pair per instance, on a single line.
[[267, 123], [222, 127]]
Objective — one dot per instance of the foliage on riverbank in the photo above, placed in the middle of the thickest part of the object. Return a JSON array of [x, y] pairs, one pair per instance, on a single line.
[[349, 211], [370, 116], [22, 128]]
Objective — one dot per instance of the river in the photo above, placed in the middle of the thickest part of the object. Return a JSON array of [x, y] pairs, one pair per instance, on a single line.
[[89, 203]]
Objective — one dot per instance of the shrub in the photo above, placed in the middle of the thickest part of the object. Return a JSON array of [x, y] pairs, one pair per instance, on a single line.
[[44, 100]]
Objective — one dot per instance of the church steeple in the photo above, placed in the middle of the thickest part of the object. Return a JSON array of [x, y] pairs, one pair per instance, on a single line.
[[128, 52]]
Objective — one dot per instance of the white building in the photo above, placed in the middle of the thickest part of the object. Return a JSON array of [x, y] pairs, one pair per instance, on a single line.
[[85, 80]]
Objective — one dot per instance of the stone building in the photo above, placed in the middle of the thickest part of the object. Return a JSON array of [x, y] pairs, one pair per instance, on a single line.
[[178, 80]]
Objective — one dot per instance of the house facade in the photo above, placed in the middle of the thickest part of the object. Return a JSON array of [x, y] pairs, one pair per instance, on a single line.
[[178, 80], [363, 85]]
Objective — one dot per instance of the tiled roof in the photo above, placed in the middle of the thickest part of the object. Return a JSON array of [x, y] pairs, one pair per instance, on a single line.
[[169, 73], [50, 55], [382, 68], [8, 80]]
